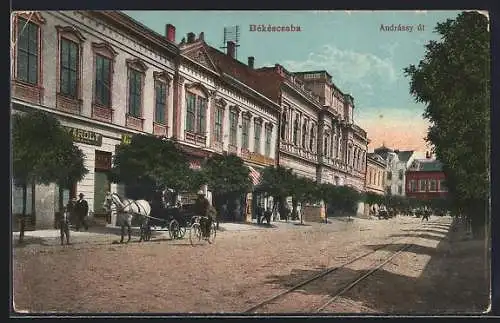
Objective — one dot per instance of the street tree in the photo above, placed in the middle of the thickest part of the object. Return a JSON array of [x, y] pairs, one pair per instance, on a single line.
[[228, 178], [43, 152], [453, 80], [148, 164], [372, 198], [304, 191], [277, 182]]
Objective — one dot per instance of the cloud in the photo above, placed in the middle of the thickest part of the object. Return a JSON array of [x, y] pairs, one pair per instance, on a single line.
[[349, 68]]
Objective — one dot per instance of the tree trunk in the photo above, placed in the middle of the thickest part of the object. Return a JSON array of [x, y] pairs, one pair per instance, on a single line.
[[23, 216], [301, 213]]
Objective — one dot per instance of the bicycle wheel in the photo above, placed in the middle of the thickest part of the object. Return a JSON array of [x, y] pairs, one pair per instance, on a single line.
[[213, 233], [173, 229], [195, 234], [182, 232]]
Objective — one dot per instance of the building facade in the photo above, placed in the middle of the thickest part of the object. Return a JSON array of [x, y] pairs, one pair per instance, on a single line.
[[375, 174], [425, 180], [104, 76], [397, 164]]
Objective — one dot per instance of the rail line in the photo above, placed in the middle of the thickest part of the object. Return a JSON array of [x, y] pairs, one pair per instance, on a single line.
[[328, 271]]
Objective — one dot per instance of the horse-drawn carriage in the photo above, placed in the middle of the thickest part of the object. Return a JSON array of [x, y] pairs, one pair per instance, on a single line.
[[175, 219]]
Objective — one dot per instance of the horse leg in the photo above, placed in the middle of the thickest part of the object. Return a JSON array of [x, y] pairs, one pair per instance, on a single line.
[[129, 228], [123, 232]]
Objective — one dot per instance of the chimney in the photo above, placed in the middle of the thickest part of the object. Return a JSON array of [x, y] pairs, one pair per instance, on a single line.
[[231, 49], [427, 155], [170, 32], [251, 61], [190, 38], [201, 36]]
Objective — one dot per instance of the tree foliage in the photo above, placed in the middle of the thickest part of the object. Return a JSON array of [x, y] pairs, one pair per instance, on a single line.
[[453, 80], [372, 198], [43, 151], [150, 163], [227, 174], [277, 181]]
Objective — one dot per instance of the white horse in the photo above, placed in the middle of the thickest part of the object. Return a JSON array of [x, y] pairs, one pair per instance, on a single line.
[[126, 209]]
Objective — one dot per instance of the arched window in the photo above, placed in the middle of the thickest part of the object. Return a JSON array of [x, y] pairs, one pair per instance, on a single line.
[[296, 131], [284, 125], [312, 139], [304, 135]]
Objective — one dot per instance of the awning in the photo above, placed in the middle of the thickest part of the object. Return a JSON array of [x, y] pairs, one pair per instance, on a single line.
[[254, 176]]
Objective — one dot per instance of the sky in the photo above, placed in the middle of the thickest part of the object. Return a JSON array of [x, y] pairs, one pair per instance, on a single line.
[[364, 51]]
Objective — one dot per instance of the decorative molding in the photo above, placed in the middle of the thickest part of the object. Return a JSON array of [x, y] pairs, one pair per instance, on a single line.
[[259, 120], [163, 75], [247, 114], [34, 16], [106, 47], [269, 125], [71, 30], [137, 64], [235, 108], [220, 102], [198, 85]]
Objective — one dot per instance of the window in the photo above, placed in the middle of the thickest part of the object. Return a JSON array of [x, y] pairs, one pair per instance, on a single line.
[[413, 186], [244, 131], [401, 173], [312, 139], [400, 189], [103, 80], [219, 119], [284, 126], [135, 93], [269, 133], [325, 146], [160, 101], [258, 130], [190, 112], [69, 67], [442, 186], [196, 113], [304, 135], [422, 185], [27, 51], [233, 127], [389, 176], [296, 131], [201, 115], [432, 185]]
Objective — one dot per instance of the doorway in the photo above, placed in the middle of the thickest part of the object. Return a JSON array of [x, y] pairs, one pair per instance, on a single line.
[[101, 183]]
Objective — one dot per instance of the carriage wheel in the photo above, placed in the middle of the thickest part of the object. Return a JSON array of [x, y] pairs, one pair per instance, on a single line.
[[182, 232], [213, 233], [195, 234], [173, 229]]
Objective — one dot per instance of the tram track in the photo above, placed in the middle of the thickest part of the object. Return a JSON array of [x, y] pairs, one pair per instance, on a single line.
[[323, 303]]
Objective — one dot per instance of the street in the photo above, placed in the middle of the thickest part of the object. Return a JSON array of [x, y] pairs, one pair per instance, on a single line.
[[245, 267]]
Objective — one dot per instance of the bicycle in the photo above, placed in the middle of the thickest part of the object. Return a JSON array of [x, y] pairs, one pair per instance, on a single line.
[[196, 234]]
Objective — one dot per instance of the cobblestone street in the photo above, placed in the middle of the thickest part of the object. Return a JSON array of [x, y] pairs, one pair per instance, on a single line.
[[248, 264]]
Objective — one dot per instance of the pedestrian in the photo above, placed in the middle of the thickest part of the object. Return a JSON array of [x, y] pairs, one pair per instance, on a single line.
[[81, 211], [201, 208], [64, 222]]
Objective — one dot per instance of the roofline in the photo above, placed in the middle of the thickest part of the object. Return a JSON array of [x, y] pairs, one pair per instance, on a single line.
[[261, 96], [316, 104], [140, 30]]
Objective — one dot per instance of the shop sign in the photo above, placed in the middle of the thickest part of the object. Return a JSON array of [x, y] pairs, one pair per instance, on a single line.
[[85, 136], [195, 164], [126, 139]]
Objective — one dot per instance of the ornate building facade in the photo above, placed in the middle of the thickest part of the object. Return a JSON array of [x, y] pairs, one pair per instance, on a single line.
[[375, 174], [104, 76]]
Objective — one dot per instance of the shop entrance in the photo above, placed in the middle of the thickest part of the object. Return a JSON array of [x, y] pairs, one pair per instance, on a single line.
[[101, 183]]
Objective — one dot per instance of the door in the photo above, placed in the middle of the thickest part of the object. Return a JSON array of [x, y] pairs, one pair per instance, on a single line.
[[101, 187]]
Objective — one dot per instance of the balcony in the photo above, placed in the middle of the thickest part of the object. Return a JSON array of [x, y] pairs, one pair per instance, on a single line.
[[67, 104], [134, 122], [232, 149], [160, 129], [218, 146], [195, 138], [102, 113], [27, 92]]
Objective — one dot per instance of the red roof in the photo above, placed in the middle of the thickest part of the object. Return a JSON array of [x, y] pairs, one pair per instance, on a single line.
[[266, 82]]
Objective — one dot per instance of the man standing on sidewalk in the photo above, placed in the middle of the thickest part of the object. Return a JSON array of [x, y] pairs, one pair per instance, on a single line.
[[81, 211]]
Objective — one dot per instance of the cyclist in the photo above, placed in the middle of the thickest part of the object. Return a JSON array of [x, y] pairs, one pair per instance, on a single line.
[[202, 207]]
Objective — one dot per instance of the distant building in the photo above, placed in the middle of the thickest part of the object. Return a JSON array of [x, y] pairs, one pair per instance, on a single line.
[[397, 164], [425, 179], [375, 173]]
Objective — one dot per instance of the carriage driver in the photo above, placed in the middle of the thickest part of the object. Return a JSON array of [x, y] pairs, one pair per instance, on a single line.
[[202, 207]]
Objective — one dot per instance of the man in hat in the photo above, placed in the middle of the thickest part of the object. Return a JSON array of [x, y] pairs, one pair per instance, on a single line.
[[81, 210], [202, 207]]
